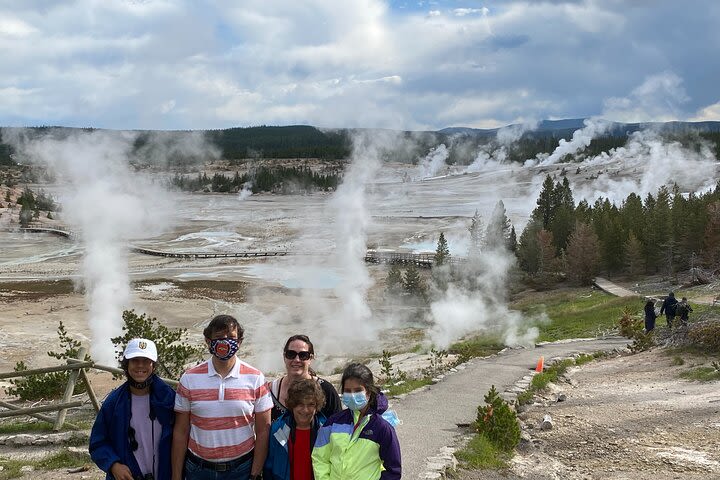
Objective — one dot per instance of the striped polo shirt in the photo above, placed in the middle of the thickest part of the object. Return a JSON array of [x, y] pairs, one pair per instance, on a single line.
[[222, 410]]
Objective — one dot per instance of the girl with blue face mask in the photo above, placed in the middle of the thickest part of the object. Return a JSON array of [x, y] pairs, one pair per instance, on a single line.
[[358, 443]]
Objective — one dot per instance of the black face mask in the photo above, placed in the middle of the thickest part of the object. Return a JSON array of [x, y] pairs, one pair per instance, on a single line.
[[139, 385]]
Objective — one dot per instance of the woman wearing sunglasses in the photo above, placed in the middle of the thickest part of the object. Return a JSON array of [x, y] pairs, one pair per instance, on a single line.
[[132, 433], [298, 355]]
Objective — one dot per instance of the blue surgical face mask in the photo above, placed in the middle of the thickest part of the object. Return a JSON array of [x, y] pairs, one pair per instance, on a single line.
[[354, 401], [391, 417], [224, 348]]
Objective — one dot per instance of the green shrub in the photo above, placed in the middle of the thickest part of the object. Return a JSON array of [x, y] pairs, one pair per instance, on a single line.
[[498, 422], [707, 336], [702, 374], [678, 360], [634, 329], [390, 377], [174, 351], [48, 385], [480, 452]]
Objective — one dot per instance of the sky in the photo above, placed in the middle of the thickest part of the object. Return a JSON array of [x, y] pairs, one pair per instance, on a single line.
[[398, 64]]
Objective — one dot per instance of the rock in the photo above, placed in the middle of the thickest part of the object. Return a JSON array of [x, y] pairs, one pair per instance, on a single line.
[[547, 423], [561, 397], [27, 468], [21, 440], [525, 445]]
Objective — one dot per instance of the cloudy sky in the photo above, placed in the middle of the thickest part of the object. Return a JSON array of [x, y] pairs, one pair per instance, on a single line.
[[402, 64]]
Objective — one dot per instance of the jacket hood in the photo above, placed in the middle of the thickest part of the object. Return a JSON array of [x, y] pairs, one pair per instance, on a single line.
[[382, 404]]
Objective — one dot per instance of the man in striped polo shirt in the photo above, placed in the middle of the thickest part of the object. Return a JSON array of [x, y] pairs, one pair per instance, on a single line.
[[222, 412]]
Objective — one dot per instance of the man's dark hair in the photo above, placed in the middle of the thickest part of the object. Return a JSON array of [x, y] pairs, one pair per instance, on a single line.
[[223, 323]]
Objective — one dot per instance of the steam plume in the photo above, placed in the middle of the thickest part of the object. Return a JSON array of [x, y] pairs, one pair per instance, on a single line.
[[106, 205], [433, 162]]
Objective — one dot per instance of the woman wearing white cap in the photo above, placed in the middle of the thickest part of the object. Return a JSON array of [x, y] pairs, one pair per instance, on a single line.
[[132, 433]]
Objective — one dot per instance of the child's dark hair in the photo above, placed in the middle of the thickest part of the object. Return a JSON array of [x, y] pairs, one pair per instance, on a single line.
[[364, 375], [224, 323]]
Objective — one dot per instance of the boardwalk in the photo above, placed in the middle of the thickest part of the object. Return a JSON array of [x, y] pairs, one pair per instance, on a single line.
[[425, 260], [613, 289]]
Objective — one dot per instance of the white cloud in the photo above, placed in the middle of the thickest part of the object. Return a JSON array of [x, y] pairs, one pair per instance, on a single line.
[[709, 113], [659, 98], [118, 64]]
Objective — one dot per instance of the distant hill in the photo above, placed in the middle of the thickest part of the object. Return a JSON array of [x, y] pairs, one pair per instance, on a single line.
[[560, 128], [304, 141]]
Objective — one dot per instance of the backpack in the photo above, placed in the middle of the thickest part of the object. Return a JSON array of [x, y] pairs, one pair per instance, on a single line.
[[681, 309]]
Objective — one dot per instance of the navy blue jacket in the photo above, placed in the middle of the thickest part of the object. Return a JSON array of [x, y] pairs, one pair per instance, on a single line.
[[277, 463], [109, 440]]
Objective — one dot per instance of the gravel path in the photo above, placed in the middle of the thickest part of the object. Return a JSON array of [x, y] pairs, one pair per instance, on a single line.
[[431, 416]]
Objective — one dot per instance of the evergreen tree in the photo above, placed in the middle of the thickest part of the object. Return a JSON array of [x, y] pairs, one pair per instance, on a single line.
[[711, 236], [498, 229], [394, 279], [412, 283], [548, 261], [633, 216], [583, 254], [512, 240], [476, 236], [528, 251], [442, 253], [634, 260], [546, 203]]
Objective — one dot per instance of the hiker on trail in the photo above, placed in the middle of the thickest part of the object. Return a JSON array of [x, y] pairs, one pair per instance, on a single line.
[[293, 435], [682, 310], [222, 412], [668, 307], [298, 355], [650, 316], [132, 433], [360, 442]]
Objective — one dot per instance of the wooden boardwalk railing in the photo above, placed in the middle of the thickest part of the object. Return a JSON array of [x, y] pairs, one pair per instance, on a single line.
[[425, 260]]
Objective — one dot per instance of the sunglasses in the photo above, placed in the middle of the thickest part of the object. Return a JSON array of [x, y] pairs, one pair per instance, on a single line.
[[291, 354]]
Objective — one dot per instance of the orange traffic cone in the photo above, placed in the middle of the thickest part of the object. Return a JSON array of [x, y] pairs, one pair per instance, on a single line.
[[540, 365]]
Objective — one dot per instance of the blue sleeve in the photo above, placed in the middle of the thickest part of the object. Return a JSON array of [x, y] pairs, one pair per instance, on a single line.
[[390, 455], [101, 449]]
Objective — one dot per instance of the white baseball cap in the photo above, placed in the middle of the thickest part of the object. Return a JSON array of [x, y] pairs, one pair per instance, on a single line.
[[141, 347]]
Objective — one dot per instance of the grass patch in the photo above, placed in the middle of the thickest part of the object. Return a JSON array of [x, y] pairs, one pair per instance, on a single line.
[[25, 427], [39, 426], [541, 380], [579, 312], [478, 346], [481, 453], [677, 360], [10, 469], [408, 386], [551, 374], [701, 374], [62, 459], [525, 397]]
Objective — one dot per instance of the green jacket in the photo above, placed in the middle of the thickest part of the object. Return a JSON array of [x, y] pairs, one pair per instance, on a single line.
[[369, 452]]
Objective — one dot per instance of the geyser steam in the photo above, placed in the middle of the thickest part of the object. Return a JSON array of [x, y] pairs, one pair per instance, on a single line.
[[106, 205]]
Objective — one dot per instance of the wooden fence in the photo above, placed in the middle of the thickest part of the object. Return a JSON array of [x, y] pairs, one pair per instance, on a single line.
[[78, 371]]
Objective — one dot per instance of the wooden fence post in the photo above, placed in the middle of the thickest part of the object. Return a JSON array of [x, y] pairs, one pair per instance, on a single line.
[[69, 388]]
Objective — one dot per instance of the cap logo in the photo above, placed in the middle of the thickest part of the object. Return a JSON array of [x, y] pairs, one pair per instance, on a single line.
[[142, 345]]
